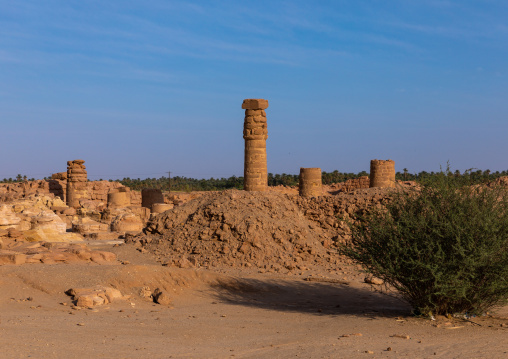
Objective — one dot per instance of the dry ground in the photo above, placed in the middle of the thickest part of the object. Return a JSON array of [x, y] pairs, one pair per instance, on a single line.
[[233, 314]]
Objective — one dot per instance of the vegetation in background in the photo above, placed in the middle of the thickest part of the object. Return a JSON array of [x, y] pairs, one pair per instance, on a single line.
[[443, 247], [179, 183]]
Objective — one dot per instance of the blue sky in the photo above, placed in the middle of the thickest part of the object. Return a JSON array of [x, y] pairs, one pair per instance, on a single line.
[[137, 88]]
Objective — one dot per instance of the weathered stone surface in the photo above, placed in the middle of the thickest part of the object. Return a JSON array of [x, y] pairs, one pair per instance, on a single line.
[[119, 197], [48, 221], [373, 280], [86, 225], [255, 133], [310, 182], [161, 207], [382, 173], [76, 182], [8, 218], [59, 176], [254, 104], [149, 196], [102, 257], [127, 222], [161, 297], [12, 258], [98, 295]]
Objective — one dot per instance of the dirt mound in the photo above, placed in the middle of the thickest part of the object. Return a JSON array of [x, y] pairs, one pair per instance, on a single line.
[[238, 228]]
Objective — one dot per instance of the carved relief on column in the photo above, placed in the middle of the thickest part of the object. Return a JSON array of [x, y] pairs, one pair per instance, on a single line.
[[255, 133]]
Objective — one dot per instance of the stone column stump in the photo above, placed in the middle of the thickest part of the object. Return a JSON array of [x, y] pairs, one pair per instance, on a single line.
[[76, 182], [311, 184], [119, 197], [382, 173], [255, 133], [149, 196]]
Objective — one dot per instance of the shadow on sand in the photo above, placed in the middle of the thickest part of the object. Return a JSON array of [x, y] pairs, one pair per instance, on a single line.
[[309, 297]]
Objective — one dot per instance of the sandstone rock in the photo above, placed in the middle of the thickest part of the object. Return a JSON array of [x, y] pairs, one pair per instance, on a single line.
[[112, 294], [69, 211], [98, 295], [85, 301], [7, 217], [161, 207], [401, 336], [12, 258], [373, 280], [85, 225], [49, 235], [102, 257], [127, 222], [59, 176], [48, 221], [254, 104], [104, 236], [161, 297]]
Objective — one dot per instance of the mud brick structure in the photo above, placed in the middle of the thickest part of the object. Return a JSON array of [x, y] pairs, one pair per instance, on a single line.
[[119, 197], [355, 183], [149, 196], [76, 182], [382, 173], [255, 133], [311, 184]]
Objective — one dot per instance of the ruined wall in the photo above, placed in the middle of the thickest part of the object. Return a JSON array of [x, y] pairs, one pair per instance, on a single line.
[[310, 182], [255, 133], [95, 193], [382, 173], [13, 191], [355, 183]]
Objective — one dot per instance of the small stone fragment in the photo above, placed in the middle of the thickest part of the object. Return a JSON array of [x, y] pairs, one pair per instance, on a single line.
[[402, 336], [373, 281]]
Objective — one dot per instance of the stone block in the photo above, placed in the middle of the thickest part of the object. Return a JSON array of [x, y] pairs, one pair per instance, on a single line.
[[12, 258], [254, 104]]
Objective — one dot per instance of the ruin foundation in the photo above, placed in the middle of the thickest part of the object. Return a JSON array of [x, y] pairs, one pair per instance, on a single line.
[[382, 173], [255, 133], [310, 182]]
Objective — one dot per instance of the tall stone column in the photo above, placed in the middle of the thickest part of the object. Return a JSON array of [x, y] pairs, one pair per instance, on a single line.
[[382, 173], [76, 182], [311, 184], [255, 133]]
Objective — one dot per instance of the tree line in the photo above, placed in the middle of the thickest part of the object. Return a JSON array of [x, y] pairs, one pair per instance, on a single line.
[[187, 184]]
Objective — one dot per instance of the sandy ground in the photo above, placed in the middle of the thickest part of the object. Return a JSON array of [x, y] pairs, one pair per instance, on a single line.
[[236, 314]]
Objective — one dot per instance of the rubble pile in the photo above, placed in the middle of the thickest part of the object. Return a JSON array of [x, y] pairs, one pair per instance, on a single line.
[[271, 230]]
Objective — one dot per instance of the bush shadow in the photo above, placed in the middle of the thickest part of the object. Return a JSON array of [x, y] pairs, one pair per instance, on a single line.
[[319, 298]]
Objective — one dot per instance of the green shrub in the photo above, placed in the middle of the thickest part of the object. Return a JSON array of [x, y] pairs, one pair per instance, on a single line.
[[443, 246]]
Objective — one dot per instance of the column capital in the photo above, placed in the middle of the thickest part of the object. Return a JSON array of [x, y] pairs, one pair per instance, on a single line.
[[254, 104]]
